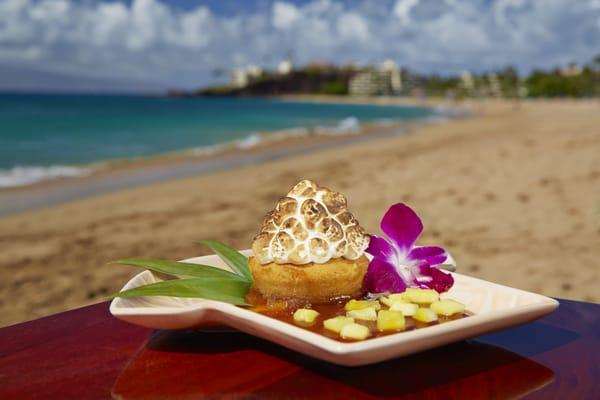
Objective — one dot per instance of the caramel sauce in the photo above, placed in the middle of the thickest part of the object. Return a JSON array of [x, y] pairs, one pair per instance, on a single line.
[[283, 310]]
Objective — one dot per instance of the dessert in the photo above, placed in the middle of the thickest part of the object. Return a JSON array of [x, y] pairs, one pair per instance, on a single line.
[[310, 248], [309, 268]]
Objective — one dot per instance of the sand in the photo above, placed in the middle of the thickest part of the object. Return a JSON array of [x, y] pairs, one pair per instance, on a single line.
[[513, 193]]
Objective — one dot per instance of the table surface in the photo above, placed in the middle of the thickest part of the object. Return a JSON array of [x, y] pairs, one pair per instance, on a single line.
[[88, 354]]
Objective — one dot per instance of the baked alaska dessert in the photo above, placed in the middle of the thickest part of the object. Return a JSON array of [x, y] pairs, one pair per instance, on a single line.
[[309, 268], [310, 248]]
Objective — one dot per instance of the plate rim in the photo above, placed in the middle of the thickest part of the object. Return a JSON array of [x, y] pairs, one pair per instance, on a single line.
[[544, 305]]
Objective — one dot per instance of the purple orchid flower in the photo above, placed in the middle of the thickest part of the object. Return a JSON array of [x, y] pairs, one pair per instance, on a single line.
[[397, 263]]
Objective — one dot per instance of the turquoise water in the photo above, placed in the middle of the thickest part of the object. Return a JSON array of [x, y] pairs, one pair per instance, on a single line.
[[57, 130]]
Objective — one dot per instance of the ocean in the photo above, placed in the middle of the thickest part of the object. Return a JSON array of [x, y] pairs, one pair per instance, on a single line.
[[48, 136]]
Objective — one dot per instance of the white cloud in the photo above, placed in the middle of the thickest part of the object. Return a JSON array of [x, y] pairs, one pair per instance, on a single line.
[[402, 9], [112, 23], [284, 15], [150, 40], [351, 26]]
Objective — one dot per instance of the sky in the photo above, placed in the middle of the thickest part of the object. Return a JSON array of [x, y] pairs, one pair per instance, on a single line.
[[149, 45]]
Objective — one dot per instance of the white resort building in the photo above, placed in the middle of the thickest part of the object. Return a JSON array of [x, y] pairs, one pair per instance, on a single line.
[[387, 79], [240, 77], [285, 67]]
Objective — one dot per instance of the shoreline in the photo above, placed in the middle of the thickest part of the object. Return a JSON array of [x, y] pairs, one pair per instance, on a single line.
[[107, 176], [27, 175], [114, 175]]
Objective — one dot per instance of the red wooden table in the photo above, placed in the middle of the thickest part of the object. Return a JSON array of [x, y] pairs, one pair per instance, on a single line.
[[88, 354]]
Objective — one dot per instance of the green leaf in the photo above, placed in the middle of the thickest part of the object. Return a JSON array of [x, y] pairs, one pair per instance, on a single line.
[[226, 290], [180, 268], [237, 261]]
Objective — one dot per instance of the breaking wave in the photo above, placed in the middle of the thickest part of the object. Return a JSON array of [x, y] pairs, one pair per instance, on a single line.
[[26, 175]]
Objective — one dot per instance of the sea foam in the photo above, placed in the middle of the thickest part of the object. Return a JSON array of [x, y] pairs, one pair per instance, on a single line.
[[27, 175], [346, 126]]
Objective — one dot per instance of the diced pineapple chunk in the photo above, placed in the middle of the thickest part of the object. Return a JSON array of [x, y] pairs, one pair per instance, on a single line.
[[360, 304], [425, 315], [399, 297], [367, 314], [337, 323], [305, 316], [355, 331], [407, 309], [394, 298], [385, 300], [390, 321], [422, 296], [447, 307]]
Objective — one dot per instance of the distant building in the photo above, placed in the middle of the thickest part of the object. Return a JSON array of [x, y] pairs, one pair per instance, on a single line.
[[570, 70], [240, 77], [366, 83], [495, 88], [467, 81], [394, 72], [385, 80], [254, 71], [285, 67]]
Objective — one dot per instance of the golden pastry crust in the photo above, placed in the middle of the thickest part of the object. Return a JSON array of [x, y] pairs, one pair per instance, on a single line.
[[314, 283]]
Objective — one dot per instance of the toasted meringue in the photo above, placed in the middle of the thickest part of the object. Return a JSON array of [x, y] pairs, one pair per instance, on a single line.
[[311, 224]]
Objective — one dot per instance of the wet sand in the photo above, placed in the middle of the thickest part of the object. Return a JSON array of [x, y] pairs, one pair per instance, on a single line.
[[513, 193]]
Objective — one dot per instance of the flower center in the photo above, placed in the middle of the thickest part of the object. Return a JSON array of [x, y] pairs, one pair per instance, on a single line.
[[404, 266]]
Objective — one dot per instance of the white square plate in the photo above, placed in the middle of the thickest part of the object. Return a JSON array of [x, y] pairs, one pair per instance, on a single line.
[[493, 306]]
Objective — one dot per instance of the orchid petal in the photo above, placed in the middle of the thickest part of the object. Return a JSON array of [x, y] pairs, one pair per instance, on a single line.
[[432, 255], [402, 225], [382, 277], [428, 277], [381, 248]]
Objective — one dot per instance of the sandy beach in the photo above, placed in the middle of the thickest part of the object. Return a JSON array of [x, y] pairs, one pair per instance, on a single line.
[[513, 192]]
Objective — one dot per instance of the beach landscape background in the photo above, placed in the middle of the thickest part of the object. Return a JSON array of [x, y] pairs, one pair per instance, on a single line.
[[503, 167]]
